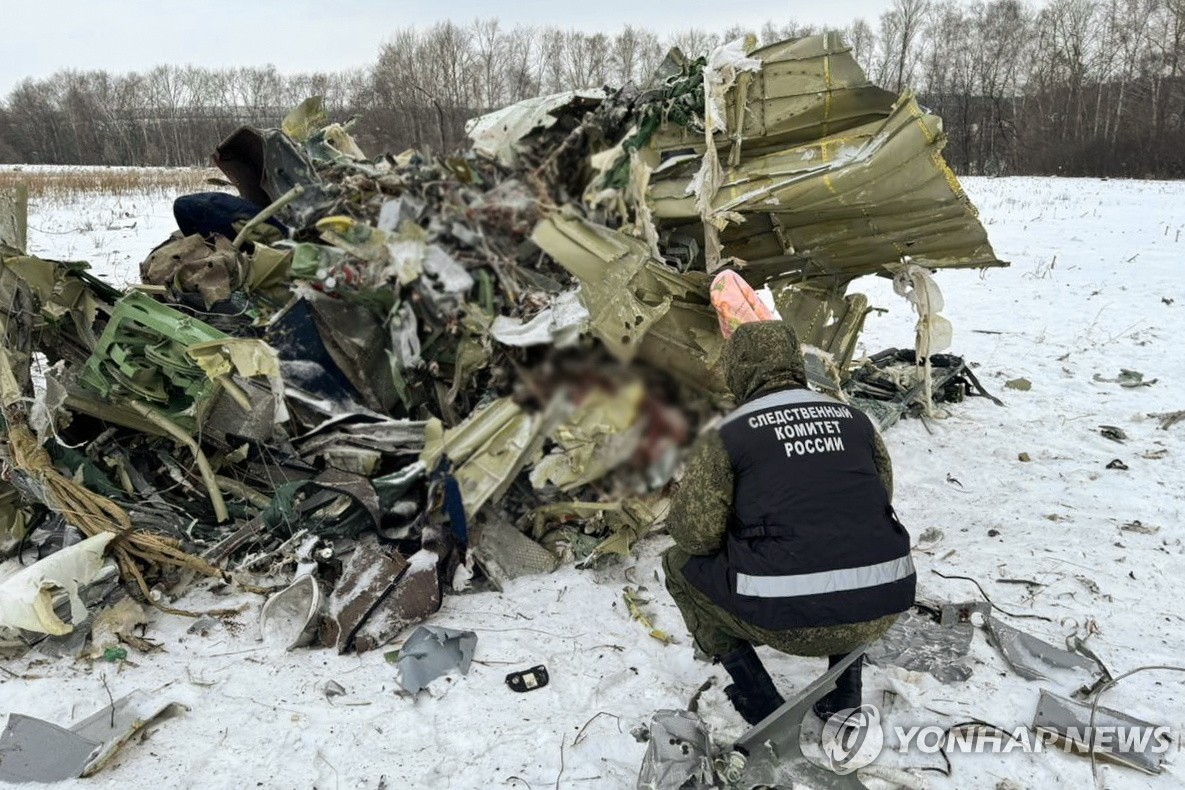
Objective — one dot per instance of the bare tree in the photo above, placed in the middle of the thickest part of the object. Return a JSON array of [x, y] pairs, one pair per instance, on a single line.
[[1079, 87]]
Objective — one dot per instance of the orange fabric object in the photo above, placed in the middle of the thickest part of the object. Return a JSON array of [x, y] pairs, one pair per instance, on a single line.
[[736, 302]]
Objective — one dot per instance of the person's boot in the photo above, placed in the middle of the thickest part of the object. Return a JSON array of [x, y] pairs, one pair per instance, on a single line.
[[752, 691], [848, 691]]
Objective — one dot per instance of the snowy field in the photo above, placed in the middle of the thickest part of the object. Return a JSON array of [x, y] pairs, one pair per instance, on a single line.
[[1096, 285]]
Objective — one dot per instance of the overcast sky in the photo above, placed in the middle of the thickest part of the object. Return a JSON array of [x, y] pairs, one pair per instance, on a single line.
[[43, 36]]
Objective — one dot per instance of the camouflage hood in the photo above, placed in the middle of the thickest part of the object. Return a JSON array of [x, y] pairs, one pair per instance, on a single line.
[[761, 357]]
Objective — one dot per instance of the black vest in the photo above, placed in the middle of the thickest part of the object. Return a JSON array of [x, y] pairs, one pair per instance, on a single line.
[[814, 540]]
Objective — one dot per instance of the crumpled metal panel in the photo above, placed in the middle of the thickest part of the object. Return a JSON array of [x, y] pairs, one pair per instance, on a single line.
[[679, 754], [416, 596], [114, 725], [835, 177], [1036, 659], [919, 644], [369, 575], [1071, 721], [264, 164], [609, 265], [432, 651], [32, 750]]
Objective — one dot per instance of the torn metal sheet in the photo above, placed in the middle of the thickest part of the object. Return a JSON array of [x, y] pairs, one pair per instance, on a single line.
[[362, 429], [824, 319], [1035, 659], [770, 752], [245, 357], [609, 265], [917, 643], [292, 617], [495, 134], [818, 161], [38, 751], [602, 432], [505, 554], [355, 338], [560, 324], [678, 753], [335, 502], [368, 576], [1070, 722], [431, 652], [32, 750], [415, 596], [115, 725], [264, 165], [489, 449], [245, 410], [26, 599]]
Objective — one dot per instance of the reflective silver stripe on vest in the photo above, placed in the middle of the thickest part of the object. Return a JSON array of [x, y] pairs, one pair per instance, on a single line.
[[783, 398], [825, 581]]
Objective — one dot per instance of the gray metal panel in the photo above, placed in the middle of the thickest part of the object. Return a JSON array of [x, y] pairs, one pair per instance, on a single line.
[[32, 750]]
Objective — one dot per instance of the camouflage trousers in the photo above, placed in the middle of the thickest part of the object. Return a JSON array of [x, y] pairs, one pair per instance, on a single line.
[[717, 631]]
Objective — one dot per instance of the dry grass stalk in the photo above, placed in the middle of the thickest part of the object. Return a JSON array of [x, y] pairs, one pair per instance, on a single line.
[[63, 184]]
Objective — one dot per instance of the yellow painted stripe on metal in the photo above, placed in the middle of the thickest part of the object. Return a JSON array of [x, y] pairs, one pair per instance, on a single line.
[[823, 146], [919, 119], [826, 82]]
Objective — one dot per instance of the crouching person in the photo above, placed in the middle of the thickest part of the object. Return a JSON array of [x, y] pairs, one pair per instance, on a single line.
[[784, 529]]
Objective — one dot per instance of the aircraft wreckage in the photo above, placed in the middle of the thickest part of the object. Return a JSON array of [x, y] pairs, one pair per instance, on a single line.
[[399, 372]]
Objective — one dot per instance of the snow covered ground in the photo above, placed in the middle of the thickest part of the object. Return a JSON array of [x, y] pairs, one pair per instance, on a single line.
[[1095, 286]]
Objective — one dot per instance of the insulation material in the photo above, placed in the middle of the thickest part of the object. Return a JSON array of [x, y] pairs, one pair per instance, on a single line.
[[933, 332], [26, 599], [917, 643], [725, 65], [560, 324]]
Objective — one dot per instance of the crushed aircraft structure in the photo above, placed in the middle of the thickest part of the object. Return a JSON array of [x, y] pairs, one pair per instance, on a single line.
[[397, 374]]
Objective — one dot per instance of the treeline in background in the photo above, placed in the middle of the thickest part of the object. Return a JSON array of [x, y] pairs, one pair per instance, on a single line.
[[1075, 87]]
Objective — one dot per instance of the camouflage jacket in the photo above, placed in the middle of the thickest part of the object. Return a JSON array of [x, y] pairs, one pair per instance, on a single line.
[[759, 358]]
